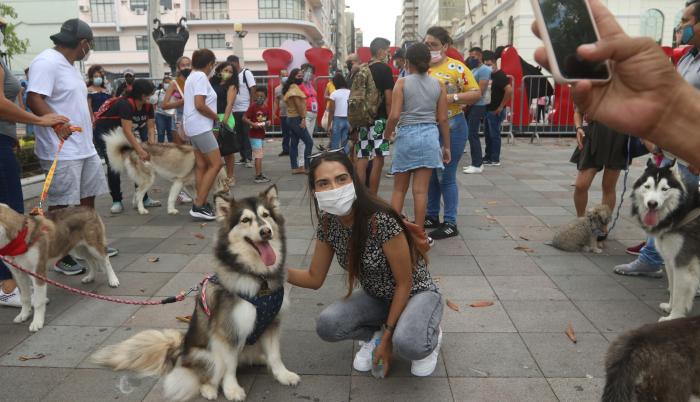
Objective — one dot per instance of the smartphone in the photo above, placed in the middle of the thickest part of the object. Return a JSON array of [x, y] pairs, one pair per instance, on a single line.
[[564, 26]]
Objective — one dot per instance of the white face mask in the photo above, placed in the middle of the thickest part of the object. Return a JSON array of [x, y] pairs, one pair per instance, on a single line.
[[153, 99], [435, 56], [337, 202]]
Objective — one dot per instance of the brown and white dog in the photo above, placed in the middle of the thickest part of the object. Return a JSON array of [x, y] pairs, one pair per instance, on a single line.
[[37, 242]]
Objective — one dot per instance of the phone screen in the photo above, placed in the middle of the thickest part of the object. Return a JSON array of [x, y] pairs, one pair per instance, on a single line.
[[570, 25]]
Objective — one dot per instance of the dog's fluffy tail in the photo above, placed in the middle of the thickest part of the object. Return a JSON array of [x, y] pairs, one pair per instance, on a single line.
[[148, 353], [117, 149], [620, 371]]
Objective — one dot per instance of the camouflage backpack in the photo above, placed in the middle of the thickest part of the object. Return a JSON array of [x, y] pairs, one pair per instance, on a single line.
[[364, 99]]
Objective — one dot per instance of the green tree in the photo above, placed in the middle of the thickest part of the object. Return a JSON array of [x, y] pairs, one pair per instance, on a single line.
[[13, 44]]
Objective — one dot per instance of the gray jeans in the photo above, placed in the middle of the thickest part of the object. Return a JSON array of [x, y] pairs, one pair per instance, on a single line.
[[360, 315]]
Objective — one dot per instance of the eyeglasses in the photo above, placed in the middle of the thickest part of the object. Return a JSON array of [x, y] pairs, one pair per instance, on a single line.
[[324, 152]]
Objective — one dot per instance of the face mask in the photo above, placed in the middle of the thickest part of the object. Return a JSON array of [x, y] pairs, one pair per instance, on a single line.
[[225, 76], [260, 101], [129, 80], [284, 80], [97, 81], [337, 202], [186, 72], [86, 55], [298, 81], [435, 56], [307, 76], [688, 34], [166, 86], [473, 63], [153, 99]]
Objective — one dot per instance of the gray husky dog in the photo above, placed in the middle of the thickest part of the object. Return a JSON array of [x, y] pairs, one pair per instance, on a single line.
[[236, 319], [580, 234], [657, 362], [670, 212]]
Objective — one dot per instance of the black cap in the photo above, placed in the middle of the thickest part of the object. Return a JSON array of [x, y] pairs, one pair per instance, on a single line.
[[72, 31]]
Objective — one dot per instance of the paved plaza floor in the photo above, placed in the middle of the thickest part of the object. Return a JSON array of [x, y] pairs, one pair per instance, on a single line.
[[514, 350]]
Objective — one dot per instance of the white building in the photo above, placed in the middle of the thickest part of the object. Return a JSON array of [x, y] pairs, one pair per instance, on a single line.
[[408, 24], [494, 23], [438, 12]]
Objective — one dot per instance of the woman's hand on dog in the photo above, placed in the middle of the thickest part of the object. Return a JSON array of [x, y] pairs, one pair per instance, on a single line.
[[143, 154]]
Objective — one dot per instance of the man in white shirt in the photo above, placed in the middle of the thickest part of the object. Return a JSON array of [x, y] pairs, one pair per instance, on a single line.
[[56, 86], [244, 100]]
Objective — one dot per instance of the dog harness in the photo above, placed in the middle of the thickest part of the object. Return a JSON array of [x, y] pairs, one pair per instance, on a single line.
[[267, 305], [19, 245]]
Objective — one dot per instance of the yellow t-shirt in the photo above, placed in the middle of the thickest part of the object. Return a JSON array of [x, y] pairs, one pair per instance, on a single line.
[[457, 78]]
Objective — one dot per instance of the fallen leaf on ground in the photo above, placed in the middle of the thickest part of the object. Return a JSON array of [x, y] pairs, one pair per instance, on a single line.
[[153, 259], [201, 225], [186, 318], [142, 290], [454, 306], [34, 357], [524, 238], [525, 249], [199, 235], [570, 333], [482, 303], [491, 218]]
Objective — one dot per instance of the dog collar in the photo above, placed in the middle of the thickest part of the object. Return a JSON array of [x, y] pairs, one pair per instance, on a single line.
[[18, 245]]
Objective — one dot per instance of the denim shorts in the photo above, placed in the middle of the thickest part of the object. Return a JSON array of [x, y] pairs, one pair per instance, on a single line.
[[416, 146], [256, 144]]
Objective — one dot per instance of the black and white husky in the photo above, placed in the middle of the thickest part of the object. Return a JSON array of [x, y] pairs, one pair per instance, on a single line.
[[670, 212], [236, 319]]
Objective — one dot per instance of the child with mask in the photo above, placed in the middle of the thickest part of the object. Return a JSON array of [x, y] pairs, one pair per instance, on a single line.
[[258, 117]]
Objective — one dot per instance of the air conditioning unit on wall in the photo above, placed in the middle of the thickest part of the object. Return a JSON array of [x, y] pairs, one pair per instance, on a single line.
[[229, 45], [84, 8]]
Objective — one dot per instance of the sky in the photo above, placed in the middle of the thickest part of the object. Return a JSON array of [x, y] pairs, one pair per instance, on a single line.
[[376, 18]]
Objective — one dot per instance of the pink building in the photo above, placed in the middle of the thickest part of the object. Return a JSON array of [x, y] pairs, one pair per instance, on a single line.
[[120, 27]]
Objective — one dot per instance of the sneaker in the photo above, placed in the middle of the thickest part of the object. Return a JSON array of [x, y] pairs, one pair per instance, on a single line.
[[283, 153], [492, 163], [486, 162], [117, 207], [431, 223], [262, 179], [426, 366], [150, 203], [639, 268], [240, 162], [68, 266], [183, 198], [635, 250], [111, 251], [249, 165], [473, 169], [389, 175], [300, 170], [431, 242], [10, 299], [363, 357], [444, 231], [203, 212]]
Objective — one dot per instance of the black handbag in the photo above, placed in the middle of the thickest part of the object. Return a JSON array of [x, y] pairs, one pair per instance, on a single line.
[[228, 140]]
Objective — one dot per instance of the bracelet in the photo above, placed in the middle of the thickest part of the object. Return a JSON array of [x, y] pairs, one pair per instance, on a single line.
[[580, 128], [389, 328]]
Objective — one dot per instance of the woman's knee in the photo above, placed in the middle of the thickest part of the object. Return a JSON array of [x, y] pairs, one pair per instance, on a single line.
[[412, 346], [328, 325]]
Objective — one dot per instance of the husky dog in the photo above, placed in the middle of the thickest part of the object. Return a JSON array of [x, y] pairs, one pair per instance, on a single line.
[[173, 162], [580, 234], [37, 242], [236, 319], [657, 362], [669, 211]]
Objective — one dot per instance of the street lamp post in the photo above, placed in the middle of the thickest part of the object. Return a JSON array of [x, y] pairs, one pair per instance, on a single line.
[[155, 62], [239, 34]]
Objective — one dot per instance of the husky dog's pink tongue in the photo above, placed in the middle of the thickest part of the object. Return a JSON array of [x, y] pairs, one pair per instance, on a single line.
[[266, 252], [651, 218]]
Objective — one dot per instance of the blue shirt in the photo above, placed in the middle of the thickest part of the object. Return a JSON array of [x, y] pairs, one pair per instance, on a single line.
[[482, 73]]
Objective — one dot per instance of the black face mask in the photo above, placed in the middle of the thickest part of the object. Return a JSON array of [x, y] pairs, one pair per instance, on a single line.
[[186, 72], [129, 80], [349, 65], [298, 81]]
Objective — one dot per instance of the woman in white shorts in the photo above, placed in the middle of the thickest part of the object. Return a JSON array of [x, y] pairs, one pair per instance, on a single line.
[[199, 117]]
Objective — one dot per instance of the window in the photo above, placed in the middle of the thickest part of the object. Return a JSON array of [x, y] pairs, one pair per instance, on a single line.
[[139, 4], [275, 39], [511, 30], [211, 41], [106, 43], [652, 25], [494, 38], [142, 42], [281, 9], [102, 10]]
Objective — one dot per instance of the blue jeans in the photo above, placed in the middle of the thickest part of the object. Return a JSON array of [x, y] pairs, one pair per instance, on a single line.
[[648, 254], [476, 113], [443, 183], [298, 134], [285, 134], [339, 136], [492, 137], [164, 127], [10, 186]]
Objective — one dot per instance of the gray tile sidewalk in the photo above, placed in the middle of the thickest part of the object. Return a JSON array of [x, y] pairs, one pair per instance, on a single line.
[[515, 350]]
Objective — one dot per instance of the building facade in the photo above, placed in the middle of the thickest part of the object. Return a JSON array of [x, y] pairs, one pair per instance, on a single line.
[[438, 12], [407, 28], [493, 23], [121, 39]]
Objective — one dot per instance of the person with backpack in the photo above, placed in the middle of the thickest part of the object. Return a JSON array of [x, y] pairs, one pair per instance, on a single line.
[[462, 90], [419, 108], [370, 99], [296, 120], [130, 112], [244, 100]]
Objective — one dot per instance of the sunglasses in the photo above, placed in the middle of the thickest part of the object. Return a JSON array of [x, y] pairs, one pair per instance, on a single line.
[[324, 152]]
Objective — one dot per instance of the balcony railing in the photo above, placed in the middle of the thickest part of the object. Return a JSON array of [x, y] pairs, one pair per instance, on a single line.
[[208, 14]]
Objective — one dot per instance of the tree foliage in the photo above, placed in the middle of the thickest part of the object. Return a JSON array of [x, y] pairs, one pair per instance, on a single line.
[[12, 44]]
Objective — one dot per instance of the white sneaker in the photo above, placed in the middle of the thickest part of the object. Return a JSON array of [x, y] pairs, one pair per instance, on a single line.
[[249, 165], [363, 358], [426, 366], [117, 207], [184, 198], [473, 169], [10, 299]]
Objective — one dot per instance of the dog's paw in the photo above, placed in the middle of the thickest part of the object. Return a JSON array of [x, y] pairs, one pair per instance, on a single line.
[[209, 392], [597, 250], [665, 307], [22, 316], [234, 392], [670, 317], [88, 279], [113, 282], [288, 378], [173, 212], [36, 325], [143, 212]]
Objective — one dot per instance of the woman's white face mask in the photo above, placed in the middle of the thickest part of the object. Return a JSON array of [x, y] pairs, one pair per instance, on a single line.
[[435, 56], [338, 201]]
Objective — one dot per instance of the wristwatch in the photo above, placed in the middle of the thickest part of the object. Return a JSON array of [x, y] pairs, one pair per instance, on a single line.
[[580, 128], [455, 98]]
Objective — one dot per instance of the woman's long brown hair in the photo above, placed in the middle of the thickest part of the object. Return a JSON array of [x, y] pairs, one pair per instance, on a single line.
[[365, 207]]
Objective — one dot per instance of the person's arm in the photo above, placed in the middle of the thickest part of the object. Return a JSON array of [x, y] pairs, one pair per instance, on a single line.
[[200, 103], [230, 100], [275, 102], [395, 111], [9, 111], [399, 257], [128, 129], [300, 105], [580, 132], [174, 104], [471, 93], [151, 123], [20, 97], [331, 113], [508, 93], [444, 125], [484, 84], [314, 277], [247, 119]]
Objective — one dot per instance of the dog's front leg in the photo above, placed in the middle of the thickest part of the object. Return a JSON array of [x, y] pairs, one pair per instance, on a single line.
[[39, 305], [685, 283], [270, 342], [229, 355], [666, 307], [172, 197], [25, 296], [593, 244]]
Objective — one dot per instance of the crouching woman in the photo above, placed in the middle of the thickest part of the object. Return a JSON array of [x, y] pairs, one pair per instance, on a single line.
[[397, 305]]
